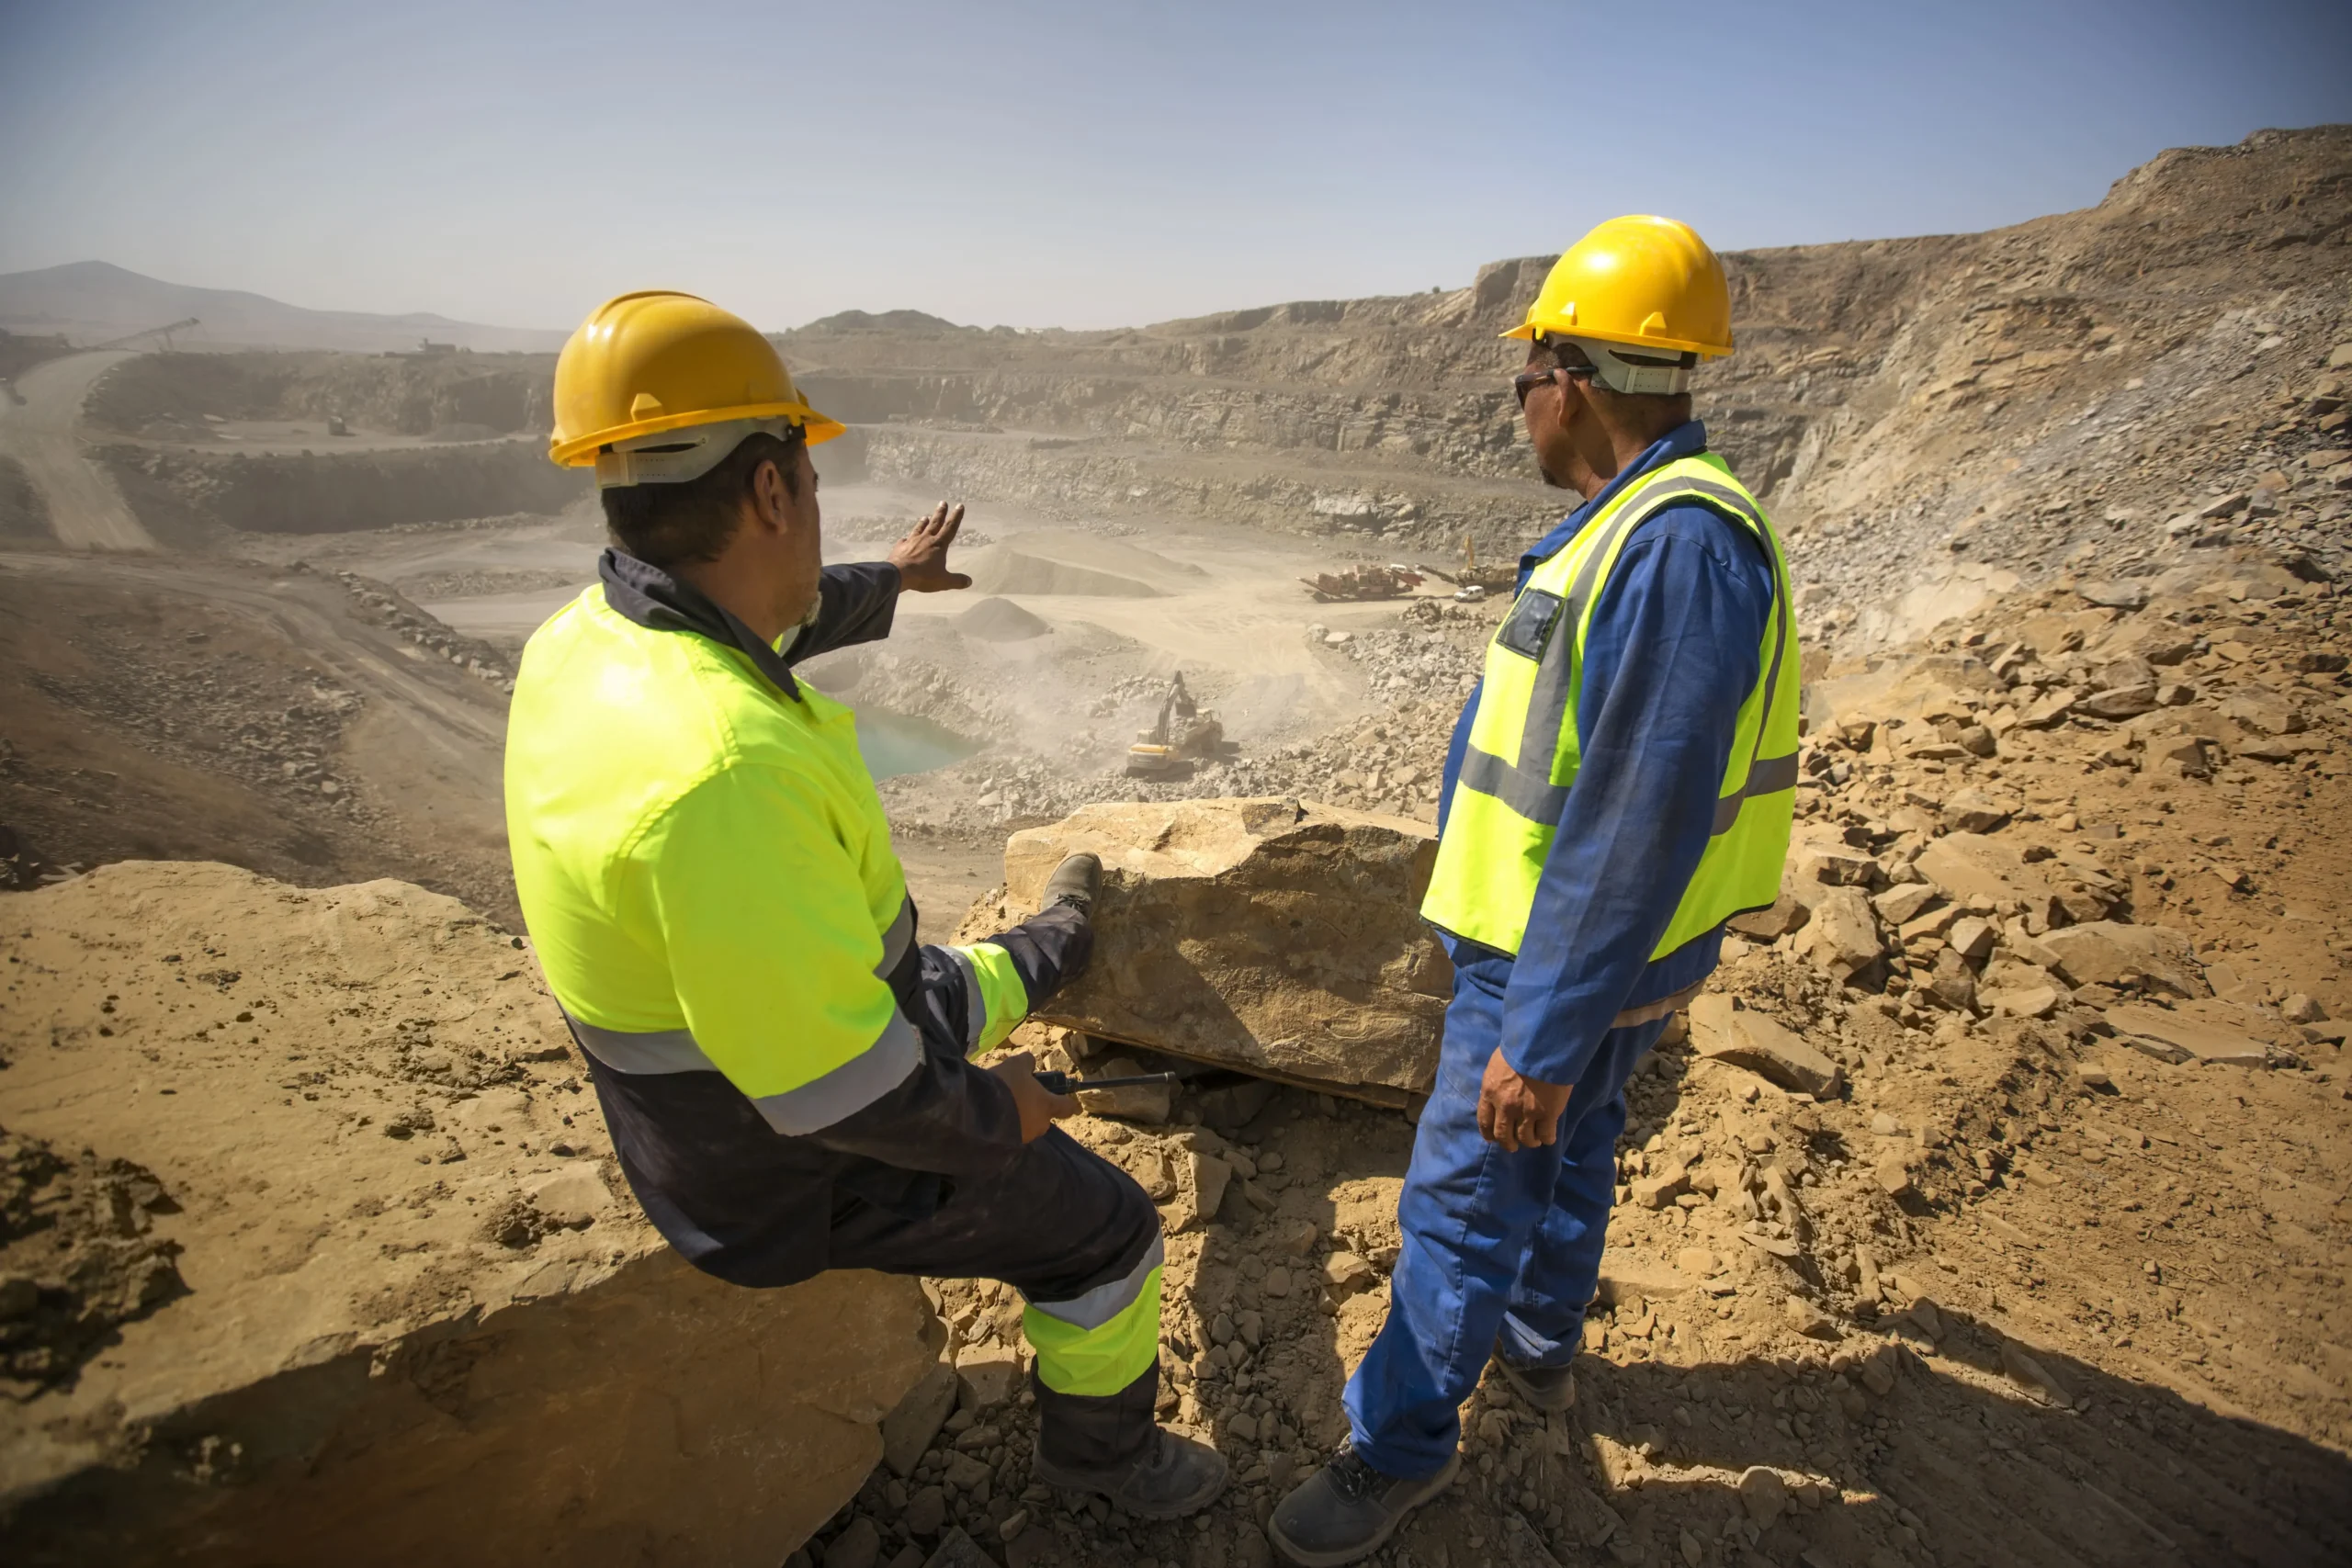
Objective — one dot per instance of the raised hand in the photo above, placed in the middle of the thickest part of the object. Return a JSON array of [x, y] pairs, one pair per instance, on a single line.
[[922, 555]]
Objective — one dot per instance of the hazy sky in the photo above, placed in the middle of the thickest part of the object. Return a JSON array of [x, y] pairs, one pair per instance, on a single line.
[[1077, 164]]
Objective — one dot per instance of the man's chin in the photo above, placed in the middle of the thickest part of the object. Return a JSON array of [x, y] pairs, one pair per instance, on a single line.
[[1555, 480]]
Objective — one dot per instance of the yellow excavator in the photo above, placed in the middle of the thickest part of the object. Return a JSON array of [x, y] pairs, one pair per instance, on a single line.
[[1183, 733]]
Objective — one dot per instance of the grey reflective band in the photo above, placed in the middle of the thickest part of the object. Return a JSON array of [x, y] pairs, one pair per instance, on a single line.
[[895, 939], [1536, 798], [1526, 787], [1104, 1303], [661, 1051], [1650, 1011], [850, 1088], [976, 1001], [1765, 775]]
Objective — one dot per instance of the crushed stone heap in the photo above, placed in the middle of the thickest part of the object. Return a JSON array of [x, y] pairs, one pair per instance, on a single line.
[[1278, 937], [313, 1249]]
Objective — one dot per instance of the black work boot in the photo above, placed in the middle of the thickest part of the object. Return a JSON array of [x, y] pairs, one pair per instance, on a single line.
[[1112, 1447], [1076, 881], [1546, 1388], [1345, 1510]]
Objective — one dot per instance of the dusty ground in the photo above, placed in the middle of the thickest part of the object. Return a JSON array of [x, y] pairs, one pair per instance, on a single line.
[[312, 1240]]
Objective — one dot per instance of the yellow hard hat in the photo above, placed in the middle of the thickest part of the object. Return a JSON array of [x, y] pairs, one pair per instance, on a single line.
[[643, 364], [1645, 282]]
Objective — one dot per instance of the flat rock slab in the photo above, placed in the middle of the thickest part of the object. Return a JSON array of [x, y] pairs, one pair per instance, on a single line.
[[2203, 1031], [1723, 1031], [391, 1301], [1277, 937], [2108, 952]]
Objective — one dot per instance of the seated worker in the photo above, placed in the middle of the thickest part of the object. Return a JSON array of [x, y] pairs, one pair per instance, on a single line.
[[709, 880]]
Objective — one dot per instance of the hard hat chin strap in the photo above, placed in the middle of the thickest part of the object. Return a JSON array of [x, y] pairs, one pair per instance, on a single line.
[[1656, 374], [681, 457]]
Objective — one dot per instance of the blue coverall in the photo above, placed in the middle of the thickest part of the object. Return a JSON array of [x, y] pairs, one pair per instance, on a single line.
[[1506, 1247]]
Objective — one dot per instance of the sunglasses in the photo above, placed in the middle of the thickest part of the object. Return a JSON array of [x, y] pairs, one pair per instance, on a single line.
[[1527, 381]]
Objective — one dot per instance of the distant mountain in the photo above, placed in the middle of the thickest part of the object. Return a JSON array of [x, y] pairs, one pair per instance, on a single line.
[[914, 322], [91, 301]]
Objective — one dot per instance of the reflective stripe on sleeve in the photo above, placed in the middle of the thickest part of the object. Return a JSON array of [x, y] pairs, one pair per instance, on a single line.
[[896, 940], [850, 1088], [996, 999]]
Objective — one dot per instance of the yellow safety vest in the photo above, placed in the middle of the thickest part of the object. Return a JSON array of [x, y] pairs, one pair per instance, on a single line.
[[1523, 754]]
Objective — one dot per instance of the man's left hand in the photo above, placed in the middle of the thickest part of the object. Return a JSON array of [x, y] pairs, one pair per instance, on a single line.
[[922, 555], [1519, 1112]]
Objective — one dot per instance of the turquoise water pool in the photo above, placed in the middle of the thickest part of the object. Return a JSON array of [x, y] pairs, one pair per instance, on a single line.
[[894, 743]]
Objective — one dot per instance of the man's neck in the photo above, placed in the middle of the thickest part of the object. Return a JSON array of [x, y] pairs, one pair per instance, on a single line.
[[1624, 449], [736, 592]]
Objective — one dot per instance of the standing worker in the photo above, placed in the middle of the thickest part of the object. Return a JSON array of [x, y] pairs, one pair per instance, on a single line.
[[707, 876], [1620, 785]]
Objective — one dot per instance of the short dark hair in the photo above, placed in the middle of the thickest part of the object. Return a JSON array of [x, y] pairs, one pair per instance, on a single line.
[[674, 524]]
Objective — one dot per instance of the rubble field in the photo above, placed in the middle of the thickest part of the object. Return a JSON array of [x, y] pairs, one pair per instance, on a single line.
[[1989, 1209]]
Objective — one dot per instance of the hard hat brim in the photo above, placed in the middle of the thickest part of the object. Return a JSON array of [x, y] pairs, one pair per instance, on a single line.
[[1525, 332], [580, 452]]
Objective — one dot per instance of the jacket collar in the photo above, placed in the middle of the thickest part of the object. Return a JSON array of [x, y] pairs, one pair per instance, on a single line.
[[1685, 440], [650, 597]]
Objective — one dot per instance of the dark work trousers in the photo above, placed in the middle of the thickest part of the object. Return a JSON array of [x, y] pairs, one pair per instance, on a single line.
[[1058, 1222]]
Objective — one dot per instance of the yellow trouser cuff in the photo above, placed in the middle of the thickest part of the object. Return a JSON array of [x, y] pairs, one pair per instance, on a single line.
[[1097, 1361]]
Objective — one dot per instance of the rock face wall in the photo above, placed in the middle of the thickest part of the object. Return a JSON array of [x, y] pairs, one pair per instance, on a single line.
[[1275, 936], [313, 1249], [185, 495]]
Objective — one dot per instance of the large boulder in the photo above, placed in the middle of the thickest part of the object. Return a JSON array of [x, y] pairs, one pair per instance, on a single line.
[[1281, 938], [328, 1260]]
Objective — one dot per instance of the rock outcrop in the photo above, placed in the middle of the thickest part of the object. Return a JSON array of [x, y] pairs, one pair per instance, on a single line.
[[1275, 936], [313, 1250]]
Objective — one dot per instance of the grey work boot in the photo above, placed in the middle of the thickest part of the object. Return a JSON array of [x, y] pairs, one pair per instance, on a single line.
[[1345, 1510], [1546, 1388], [1172, 1477], [1076, 881], [1110, 1445]]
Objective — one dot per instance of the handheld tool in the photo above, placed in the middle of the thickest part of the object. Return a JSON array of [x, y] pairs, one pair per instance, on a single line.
[[1062, 1083]]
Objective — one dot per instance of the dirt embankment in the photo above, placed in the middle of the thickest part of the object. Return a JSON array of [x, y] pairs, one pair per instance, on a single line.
[[312, 1248], [310, 727]]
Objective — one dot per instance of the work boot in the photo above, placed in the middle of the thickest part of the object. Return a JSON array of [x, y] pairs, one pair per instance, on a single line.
[[1346, 1509], [1111, 1445], [1546, 1388], [1172, 1477], [1075, 882]]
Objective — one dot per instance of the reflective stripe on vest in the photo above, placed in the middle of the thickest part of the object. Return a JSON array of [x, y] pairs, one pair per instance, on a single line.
[[1523, 755]]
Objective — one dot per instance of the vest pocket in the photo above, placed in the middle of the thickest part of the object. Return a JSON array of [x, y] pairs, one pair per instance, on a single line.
[[1529, 627]]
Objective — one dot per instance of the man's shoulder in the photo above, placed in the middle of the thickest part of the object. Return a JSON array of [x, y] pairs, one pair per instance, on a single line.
[[1710, 526]]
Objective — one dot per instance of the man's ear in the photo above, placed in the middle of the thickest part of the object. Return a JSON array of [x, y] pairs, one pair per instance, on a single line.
[[770, 498]]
